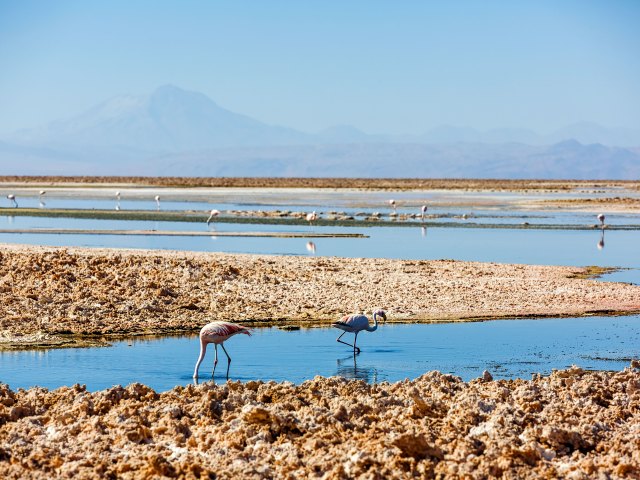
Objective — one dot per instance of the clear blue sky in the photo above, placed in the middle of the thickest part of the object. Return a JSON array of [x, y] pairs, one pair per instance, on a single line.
[[383, 66]]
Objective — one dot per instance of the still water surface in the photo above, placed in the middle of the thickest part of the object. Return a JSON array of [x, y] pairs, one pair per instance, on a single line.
[[507, 348]]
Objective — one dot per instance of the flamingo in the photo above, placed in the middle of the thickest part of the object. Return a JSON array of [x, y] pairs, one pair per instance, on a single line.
[[217, 333], [157, 199], [423, 209], [311, 217], [40, 195], [214, 213], [117, 200], [392, 202], [12, 197], [601, 219], [357, 323]]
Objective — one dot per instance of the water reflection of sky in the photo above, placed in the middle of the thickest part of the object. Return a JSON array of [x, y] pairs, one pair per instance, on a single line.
[[507, 348]]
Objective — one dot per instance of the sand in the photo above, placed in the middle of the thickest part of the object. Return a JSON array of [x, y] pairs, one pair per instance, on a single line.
[[66, 296], [572, 424]]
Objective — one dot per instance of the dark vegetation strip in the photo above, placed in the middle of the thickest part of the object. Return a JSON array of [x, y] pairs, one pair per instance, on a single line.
[[195, 217], [168, 233]]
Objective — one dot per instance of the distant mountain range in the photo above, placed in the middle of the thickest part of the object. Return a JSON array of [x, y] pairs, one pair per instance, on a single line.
[[177, 132]]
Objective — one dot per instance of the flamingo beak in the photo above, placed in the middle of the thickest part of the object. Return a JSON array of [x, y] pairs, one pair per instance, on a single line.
[[384, 316]]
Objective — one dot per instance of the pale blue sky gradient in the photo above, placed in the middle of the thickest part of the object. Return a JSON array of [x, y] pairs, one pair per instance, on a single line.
[[383, 66]]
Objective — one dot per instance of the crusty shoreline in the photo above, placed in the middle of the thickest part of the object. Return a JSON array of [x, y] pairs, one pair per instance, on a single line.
[[572, 424], [52, 296]]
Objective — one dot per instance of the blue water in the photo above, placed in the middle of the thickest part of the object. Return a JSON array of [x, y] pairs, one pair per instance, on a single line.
[[507, 348]]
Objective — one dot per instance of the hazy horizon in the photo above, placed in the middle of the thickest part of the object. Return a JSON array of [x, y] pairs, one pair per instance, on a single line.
[[380, 67]]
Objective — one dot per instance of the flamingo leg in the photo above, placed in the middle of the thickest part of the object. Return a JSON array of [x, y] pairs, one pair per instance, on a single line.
[[215, 360], [228, 358], [354, 343]]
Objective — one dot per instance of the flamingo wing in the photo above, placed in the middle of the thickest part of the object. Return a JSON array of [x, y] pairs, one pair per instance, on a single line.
[[352, 323], [223, 329]]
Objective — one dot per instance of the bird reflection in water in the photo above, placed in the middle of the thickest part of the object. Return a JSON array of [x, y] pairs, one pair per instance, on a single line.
[[601, 241], [348, 368], [423, 231], [311, 248]]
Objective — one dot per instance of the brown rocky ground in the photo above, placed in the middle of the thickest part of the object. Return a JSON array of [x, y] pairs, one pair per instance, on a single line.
[[572, 424], [292, 182], [50, 292]]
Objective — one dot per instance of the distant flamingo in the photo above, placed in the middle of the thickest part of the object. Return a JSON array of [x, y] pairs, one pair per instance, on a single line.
[[157, 199], [311, 217], [423, 209], [214, 213], [601, 219], [117, 200], [40, 195], [217, 333], [392, 202], [12, 197], [357, 323]]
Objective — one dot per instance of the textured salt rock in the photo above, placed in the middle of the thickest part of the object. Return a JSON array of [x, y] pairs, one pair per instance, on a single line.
[[436, 425], [46, 292]]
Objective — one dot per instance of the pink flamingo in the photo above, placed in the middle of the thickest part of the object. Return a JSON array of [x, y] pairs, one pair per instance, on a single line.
[[311, 217], [214, 213], [423, 209], [392, 202], [217, 333], [157, 199], [41, 194], [12, 198], [357, 323], [601, 218]]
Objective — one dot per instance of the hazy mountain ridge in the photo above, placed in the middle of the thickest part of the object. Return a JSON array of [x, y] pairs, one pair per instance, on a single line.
[[177, 132]]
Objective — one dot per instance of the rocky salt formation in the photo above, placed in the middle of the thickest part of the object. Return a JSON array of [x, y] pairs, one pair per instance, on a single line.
[[47, 293], [572, 424]]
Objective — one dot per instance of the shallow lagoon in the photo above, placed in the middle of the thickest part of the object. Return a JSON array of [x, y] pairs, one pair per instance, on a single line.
[[507, 348]]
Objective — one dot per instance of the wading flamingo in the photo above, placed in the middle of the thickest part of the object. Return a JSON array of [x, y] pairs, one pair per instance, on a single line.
[[157, 199], [423, 209], [117, 200], [40, 195], [357, 323], [601, 219], [311, 217], [214, 213], [12, 198], [392, 202], [217, 333]]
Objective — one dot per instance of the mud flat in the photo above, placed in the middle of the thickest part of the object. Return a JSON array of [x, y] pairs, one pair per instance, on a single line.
[[572, 424], [69, 296]]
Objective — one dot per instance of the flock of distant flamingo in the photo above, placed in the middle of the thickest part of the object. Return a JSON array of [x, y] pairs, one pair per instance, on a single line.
[[219, 332]]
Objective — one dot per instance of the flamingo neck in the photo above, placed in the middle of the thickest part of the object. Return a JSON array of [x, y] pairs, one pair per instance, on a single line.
[[203, 350], [374, 327]]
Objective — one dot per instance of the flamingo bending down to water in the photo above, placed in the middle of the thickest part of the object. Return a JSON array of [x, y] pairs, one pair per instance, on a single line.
[[217, 333], [214, 213], [40, 195], [12, 197], [357, 323]]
